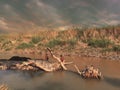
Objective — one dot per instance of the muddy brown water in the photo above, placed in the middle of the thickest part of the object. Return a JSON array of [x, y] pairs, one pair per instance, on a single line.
[[66, 80]]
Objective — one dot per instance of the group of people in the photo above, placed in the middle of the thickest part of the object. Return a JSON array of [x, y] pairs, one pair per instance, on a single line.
[[90, 71]]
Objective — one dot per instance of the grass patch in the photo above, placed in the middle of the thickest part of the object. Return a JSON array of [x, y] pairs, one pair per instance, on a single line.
[[25, 45], [102, 43], [8, 48], [35, 39], [55, 42], [116, 48], [106, 50], [72, 42]]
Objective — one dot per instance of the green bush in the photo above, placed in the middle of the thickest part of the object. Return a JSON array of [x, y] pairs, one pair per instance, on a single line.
[[116, 48], [102, 43], [8, 48], [55, 42], [36, 39], [72, 42], [25, 45], [106, 50]]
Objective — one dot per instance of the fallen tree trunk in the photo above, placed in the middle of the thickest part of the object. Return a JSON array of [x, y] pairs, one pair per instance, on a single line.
[[46, 65], [33, 65], [58, 59]]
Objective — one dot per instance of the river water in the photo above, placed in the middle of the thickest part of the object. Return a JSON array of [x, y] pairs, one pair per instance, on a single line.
[[65, 80]]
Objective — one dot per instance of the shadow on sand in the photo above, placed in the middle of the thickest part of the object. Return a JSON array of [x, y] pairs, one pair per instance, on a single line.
[[113, 81]]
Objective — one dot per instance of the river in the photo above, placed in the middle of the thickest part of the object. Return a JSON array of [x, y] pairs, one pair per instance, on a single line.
[[65, 80]]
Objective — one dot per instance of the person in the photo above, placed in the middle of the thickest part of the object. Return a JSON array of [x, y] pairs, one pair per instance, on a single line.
[[86, 73], [95, 73], [46, 57], [91, 68], [86, 68], [61, 58]]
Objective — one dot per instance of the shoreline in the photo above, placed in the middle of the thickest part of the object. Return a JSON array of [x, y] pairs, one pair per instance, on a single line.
[[81, 52]]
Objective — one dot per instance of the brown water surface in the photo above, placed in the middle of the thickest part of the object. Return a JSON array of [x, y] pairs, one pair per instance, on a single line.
[[65, 80]]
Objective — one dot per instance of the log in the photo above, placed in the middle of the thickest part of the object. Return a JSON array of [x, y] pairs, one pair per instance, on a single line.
[[66, 63], [58, 59], [46, 66], [77, 69]]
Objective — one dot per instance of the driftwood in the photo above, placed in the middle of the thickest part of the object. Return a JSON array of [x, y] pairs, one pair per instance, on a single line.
[[46, 65], [33, 65], [77, 69], [58, 59], [23, 63], [82, 73]]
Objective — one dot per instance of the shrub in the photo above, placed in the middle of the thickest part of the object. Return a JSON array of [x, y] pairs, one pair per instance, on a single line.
[[106, 50], [116, 48], [72, 42], [102, 43], [25, 45], [8, 48], [55, 42], [36, 39]]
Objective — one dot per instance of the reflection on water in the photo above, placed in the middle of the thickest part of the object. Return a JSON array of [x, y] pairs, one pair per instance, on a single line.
[[18, 80], [113, 81]]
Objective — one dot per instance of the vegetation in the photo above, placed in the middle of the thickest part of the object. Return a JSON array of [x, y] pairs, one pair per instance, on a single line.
[[55, 42], [35, 39], [102, 43], [93, 37], [25, 45], [116, 48], [106, 50], [72, 42]]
